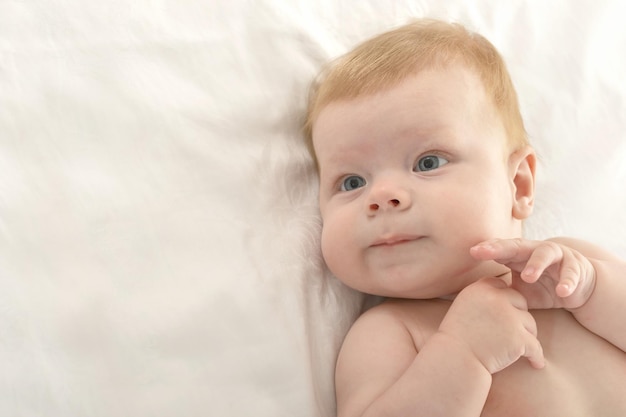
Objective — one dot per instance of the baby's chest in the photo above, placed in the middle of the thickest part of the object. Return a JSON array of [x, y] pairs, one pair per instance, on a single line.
[[584, 375]]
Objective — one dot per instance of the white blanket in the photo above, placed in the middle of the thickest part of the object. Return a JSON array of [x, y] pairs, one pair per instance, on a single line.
[[158, 221]]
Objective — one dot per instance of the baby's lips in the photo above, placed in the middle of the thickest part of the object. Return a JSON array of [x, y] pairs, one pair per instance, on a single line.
[[393, 239]]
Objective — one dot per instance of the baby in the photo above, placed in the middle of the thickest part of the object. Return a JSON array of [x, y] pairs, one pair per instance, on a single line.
[[426, 177]]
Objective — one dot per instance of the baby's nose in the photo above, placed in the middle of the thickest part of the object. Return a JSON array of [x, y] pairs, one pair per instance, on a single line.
[[388, 197], [394, 202]]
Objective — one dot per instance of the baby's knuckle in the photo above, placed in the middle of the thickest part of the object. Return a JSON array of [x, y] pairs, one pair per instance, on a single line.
[[518, 241], [548, 244]]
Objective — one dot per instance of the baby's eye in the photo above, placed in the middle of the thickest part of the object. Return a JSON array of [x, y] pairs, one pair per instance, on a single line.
[[352, 182], [429, 162]]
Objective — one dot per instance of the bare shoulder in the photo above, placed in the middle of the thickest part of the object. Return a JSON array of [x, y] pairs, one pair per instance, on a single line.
[[379, 348], [401, 320]]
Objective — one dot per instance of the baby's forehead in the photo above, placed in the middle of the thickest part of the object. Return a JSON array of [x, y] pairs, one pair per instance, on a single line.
[[353, 89], [428, 102], [437, 75]]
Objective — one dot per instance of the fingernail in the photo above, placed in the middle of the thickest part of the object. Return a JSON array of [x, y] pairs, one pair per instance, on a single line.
[[529, 272], [564, 290], [484, 245]]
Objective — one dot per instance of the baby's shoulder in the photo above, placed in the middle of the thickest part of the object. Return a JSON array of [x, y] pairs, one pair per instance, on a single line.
[[415, 318]]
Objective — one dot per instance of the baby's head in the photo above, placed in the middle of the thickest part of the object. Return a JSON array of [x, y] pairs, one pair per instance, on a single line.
[[387, 59], [422, 154]]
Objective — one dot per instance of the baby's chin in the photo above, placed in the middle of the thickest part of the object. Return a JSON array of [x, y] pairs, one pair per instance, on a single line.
[[402, 280], [412, 293]]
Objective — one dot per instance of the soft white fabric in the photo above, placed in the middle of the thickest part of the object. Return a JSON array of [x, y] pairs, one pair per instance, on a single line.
[[158, 222]]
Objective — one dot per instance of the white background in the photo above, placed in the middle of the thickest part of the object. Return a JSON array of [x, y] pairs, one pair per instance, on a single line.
[[158, 221]]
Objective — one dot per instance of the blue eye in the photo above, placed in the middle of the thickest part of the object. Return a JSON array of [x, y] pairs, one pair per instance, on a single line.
[[352, 183], [430, 162]]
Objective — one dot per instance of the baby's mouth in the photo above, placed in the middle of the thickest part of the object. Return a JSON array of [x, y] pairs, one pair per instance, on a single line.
[[393, 240]]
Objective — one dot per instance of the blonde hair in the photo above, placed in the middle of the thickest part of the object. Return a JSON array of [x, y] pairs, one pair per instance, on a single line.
[[387, 59]]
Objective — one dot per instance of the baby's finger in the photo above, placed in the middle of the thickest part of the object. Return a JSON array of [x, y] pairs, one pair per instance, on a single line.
[[528, 257], [569, 275], [534, 353], [503, 250], [533, 349], [545, 254]]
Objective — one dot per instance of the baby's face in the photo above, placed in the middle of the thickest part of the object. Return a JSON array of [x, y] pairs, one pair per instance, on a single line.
[[410, 179]]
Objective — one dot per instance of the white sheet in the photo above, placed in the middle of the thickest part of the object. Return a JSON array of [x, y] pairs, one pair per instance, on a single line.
[[158, 221]]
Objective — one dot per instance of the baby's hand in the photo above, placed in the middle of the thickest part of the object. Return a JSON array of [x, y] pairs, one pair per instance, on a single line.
[[548, 274], [493, 322]]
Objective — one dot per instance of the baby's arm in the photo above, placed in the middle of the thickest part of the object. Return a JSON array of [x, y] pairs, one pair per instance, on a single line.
[[604, 313], [379, 372], [567, 273]]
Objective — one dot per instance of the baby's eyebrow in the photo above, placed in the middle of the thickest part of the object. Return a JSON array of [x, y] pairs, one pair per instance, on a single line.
[[342, 159]]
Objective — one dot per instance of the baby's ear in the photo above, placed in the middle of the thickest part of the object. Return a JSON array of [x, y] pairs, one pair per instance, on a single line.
[[522, 173]]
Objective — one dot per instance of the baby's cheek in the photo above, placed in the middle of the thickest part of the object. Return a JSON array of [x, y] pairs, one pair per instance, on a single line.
[[334, 249], [328, 244]]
